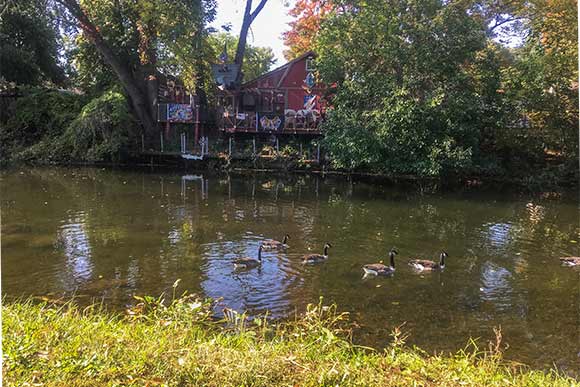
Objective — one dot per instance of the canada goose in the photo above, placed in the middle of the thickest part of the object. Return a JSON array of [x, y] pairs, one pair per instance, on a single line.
[[247, 262], [570, 261], [272, 244], [425, 265], [317, 258], [379, 268]]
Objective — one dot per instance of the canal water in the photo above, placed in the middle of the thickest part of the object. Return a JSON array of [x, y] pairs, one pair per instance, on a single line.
[[108, 235]]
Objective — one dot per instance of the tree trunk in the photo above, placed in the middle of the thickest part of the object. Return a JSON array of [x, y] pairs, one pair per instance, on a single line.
[[241, 49], [136, 89], [249, 17]]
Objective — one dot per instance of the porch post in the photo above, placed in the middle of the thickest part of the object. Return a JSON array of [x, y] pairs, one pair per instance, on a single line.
[[196, 125]]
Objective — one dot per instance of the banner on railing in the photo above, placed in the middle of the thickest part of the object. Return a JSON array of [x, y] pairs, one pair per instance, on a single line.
[[269, 122], [179, 112], [175, 112]]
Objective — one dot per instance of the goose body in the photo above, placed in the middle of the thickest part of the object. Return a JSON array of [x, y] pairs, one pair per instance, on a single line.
[[317, 258], [247, 262], [426, 265], [570, 261], [272, 244], [381, 269]]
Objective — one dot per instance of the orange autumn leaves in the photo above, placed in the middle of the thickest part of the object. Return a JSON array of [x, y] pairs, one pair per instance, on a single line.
[[308, 15]]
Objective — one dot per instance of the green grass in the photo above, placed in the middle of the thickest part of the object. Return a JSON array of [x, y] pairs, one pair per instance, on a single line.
[[47, 344]]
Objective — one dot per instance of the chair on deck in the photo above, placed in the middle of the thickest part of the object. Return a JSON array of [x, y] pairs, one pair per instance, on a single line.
[[251, 121], [316, 116], [301, 119], [289, 119]]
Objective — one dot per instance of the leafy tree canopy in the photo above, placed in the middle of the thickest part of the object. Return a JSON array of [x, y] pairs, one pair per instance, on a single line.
[[29, 44], [404, 101]]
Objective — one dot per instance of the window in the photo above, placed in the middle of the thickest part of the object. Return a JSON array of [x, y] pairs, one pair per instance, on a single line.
[[310, 64], [267, 101], [280, 98]]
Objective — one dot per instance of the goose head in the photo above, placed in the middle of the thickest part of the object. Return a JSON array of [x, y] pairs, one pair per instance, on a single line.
[[392, 254], [286, 237], [442, 257], [326, 247]]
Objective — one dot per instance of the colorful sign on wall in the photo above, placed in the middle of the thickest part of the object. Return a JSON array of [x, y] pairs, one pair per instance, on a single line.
[[179, 112]]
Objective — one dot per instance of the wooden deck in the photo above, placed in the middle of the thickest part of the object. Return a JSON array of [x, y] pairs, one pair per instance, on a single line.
[[311, 132]]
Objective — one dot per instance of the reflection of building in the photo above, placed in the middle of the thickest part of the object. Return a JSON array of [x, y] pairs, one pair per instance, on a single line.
[[286, 100]]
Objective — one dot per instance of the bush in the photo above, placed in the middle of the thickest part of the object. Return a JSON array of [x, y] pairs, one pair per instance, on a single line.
[[38, 114], [53, 126], [102, 129], [399, 136]]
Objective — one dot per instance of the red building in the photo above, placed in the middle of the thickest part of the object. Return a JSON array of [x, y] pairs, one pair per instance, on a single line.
[[284, 100]]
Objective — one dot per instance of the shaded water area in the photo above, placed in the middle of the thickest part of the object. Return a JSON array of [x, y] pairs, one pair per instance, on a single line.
[[109, 235]]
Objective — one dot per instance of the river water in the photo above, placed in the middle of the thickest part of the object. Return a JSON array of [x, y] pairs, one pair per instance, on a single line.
[[108, 235]]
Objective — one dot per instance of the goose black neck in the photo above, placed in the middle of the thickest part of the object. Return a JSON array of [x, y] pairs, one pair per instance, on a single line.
[[326, 250], [442, 260], [260, 253], [285, 239], [392, 256]]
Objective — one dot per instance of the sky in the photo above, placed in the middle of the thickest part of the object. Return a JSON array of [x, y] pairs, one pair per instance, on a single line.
[[267, 28]]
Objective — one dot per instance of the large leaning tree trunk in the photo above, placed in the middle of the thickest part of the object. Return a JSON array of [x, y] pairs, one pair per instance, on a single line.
[[249, 17], [140, 86]]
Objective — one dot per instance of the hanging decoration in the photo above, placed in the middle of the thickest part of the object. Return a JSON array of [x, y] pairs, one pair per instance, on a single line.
[[309, 82]]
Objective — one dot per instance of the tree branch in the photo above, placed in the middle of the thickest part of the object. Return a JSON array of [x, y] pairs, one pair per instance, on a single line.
[[257, 10], [505, 21]]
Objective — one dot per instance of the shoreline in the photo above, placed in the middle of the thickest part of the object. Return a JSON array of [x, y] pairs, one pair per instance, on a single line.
[[242, 166]]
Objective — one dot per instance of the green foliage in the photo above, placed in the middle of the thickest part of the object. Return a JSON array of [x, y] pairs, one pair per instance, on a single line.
[[176, 342], [421, 89], [38, 114], [54, 126], [167, 35], [404, 101], [28, 44], [102, 129]]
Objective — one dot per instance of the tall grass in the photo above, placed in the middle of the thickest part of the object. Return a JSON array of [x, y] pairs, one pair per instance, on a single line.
[[179, 343]]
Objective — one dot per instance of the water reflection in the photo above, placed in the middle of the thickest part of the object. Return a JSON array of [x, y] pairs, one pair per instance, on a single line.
[[112, 234], [496, 286], [77, 250], [499, 234]]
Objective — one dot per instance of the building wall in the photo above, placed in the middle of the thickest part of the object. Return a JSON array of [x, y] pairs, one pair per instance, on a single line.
[[292, 86]]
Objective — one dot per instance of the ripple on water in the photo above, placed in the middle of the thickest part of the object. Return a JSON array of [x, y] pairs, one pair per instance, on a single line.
[[264, 288]]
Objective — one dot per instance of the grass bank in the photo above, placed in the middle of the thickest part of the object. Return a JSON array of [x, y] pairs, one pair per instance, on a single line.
[[181, 344]]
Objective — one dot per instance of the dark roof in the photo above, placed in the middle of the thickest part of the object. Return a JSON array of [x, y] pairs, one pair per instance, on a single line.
[[284, 66]]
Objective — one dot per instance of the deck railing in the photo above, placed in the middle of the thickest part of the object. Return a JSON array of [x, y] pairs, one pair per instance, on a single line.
[[301, 121]]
